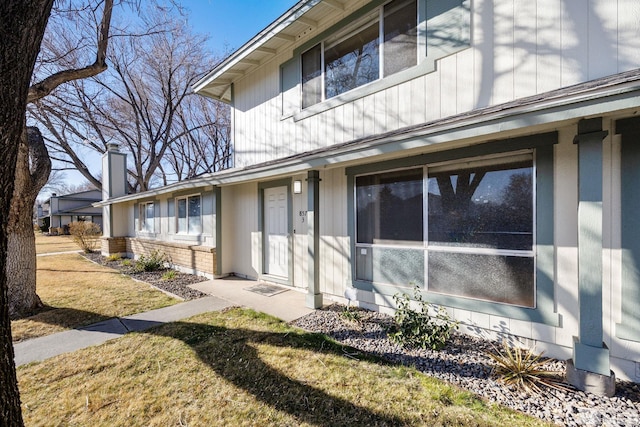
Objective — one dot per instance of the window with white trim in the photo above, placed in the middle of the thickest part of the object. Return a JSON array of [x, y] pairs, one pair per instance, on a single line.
[[189, 214], [462, 228], [378, 45], [147, 217]]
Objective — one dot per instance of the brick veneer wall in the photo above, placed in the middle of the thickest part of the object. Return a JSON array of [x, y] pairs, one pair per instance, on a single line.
[[200, 259], [114, 245]]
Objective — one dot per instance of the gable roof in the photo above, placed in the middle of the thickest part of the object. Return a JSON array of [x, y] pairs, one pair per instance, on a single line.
[[87, 195], [302, 19]]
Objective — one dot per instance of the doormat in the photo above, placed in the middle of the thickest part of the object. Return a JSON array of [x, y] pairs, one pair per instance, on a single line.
[[265, 289]]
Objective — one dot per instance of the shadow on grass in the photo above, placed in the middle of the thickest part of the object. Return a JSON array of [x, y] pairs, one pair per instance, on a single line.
[[69, 318], [232, 354]]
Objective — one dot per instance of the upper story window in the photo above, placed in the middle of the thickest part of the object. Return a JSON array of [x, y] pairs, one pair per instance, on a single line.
[[379, 45], [147, 217], [189, 214]]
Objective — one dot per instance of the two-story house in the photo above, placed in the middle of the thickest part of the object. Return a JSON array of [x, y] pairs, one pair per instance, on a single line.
[[486, 151], [62, 210]]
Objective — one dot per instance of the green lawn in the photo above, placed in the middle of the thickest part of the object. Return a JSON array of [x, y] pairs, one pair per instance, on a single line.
[[77, 292], [50, 244]]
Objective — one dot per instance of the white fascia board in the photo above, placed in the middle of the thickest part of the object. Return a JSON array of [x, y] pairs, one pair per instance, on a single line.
[[199, 182], [257, 41]]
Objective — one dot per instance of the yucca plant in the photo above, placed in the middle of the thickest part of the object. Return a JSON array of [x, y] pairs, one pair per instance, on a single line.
[[114, 257], [524, 369]]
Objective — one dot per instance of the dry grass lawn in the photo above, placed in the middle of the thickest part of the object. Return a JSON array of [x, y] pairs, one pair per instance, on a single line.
[[77, 292], [240, 368], [51, 244]]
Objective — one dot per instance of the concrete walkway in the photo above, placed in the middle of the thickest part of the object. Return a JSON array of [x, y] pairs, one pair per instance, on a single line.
[[287, 305], [59, 253]]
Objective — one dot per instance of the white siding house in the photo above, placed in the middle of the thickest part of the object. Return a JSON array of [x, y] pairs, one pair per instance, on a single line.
[[486, 151], [67, 208]]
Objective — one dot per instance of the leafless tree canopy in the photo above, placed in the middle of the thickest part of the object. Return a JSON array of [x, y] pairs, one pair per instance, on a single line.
[[143, 102], [91, 37]]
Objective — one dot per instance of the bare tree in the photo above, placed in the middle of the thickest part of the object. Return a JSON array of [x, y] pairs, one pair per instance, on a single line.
[[144, 102], [55, 184], [22, 25], [33, 163], [205, 148]]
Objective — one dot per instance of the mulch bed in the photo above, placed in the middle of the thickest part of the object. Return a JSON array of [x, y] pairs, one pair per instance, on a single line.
[[178, 284]]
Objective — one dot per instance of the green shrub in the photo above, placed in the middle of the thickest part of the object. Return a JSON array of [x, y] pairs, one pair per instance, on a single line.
[[169, 275], [126, 262], [86, 235], [155, 261], [416, 328], [351, 315]]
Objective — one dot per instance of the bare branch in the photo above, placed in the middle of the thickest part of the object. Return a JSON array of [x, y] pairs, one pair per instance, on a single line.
[[46, 86]]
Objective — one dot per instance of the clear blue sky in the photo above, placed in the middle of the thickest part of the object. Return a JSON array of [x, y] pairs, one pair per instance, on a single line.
[[233, 22]]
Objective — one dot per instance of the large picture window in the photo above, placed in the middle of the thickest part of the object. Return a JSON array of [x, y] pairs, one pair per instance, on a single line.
[[464, 228], [189, 217], [352, 59]]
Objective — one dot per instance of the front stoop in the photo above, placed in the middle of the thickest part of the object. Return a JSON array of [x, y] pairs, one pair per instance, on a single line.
[[591, 382]]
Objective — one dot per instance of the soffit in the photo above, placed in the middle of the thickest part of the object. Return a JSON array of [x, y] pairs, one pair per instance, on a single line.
[[299, 23]]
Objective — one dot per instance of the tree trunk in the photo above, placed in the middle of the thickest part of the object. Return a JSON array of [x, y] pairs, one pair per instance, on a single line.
[[21, 262], [22, 25], [32, 171]]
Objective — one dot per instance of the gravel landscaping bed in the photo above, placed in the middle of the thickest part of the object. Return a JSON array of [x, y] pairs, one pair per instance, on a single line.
[[177, 285], [464, 362]]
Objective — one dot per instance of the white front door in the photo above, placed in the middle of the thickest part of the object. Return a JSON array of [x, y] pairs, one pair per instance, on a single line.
[[276, 228]]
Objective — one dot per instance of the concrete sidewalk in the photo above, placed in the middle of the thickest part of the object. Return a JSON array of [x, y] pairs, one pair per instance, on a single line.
[[287, 305]]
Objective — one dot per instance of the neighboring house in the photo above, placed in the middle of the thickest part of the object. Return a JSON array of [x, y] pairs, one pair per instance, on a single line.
[[486, 151], [65, 209]]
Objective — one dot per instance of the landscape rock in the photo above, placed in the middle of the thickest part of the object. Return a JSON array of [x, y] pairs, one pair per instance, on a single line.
[[465, 363]]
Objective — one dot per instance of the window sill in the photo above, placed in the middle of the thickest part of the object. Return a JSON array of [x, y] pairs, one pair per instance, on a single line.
[[537, 315], [146, 235], [190, 237], [427, 66], [625, 332]]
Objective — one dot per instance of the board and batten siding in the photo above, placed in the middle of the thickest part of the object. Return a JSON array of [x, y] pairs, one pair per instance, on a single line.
[[518, 48], [241, 237], [335, 245]]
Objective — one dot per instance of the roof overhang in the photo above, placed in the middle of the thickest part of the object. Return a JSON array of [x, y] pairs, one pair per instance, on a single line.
[[299, 21], [606, 96]]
